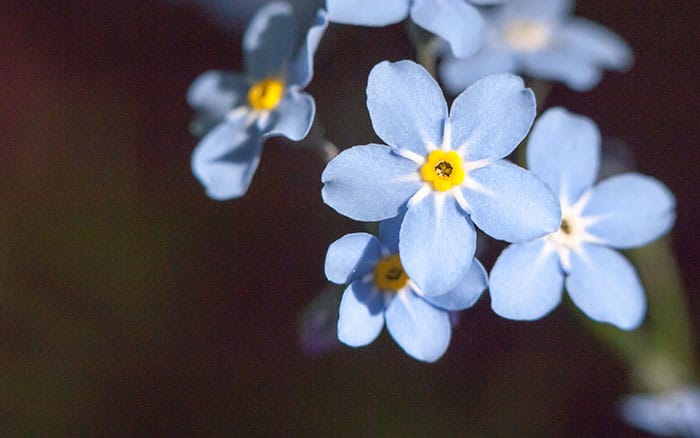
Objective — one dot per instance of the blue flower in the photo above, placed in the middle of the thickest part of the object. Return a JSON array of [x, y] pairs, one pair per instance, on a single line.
[[623, 211], [263, 102], [379, 291], [540, 39], [454, 20], [445, 171]]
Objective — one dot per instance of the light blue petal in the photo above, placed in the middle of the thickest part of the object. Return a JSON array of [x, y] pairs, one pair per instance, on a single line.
[[487, 2], [526, 282], [367, 12], [492, 116], [457, 74], [294, 116], [360, 315], [225, 160], [633, 209], [406, 105], [422, 330], [369, 183], [466, 293], [436, 243], [459, 23], [605, 286], [548, 10], [351, 257], [593, 42], [512, 204], [578, 74], [216, 92], [674, 413], [564, 151], [389, 232], [302, 69], [270, 40]]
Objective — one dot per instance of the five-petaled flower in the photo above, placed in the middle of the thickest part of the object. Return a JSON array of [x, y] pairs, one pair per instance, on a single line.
[[379, 291], [444, 171], [623, 211], [540, 39], [265, 101], [454, 20]]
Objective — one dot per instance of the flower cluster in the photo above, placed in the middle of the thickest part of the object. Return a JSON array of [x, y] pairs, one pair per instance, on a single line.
[[444, 171]]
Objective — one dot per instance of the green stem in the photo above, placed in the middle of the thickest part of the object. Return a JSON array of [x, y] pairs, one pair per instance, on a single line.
[[669, 329], [317, 141], [426, 47], [425, 55], [660, 354]]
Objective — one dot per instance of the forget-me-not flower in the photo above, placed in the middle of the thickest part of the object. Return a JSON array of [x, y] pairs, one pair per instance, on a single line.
[[454, 20], [263, 102], [540, 39], [623, 211], [446, 171], [379, 292]]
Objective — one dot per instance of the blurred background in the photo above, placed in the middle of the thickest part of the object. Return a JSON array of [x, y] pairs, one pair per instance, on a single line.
[[131, 304]]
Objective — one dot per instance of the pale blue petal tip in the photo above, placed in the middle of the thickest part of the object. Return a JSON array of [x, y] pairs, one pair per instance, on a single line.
[[420, 329], [360, 316], [351, 257]]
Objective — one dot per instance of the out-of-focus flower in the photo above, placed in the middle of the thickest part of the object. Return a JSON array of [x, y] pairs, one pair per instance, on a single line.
[[673, 413], [247, 108], [540, 39], [231, 15], [444, 171], [454, 20], [623, 211], [318, 321], [379, 292]]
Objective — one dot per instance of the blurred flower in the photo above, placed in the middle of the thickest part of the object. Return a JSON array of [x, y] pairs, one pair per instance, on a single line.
[[454, 20], [379, 291], [317, 325], [247, 108], [623, 211], [674, 413], [539, 38], [232, 15], [445, 171]]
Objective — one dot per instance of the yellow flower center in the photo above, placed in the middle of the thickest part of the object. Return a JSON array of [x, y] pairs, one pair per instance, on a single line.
[[443, 169], [527, 36], [266, 94], [389, 274]]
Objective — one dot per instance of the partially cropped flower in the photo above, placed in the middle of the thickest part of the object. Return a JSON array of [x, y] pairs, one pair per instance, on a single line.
[[454, 20], [674, 413], [379, 292], [539, 38], [265, 101], [445, 171], [623, 211]]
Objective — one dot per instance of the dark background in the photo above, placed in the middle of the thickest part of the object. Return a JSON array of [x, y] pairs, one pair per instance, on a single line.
[[131, 304]]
